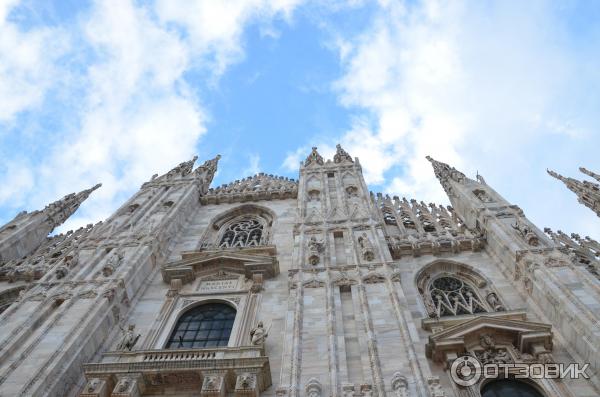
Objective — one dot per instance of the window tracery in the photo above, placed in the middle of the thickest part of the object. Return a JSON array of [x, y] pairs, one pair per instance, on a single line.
[[240, 227], [451, 296], [452, 289], [242, 233]]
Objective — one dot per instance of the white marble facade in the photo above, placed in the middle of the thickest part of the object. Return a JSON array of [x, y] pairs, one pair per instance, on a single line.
[[335, 291]]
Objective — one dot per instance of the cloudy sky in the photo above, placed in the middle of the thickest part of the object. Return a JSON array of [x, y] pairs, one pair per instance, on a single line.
[[115, 91]]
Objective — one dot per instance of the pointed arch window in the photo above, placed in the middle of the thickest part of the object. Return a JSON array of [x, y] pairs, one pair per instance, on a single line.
[[451, 289], [207, 325], [452, 296], [242, 233]]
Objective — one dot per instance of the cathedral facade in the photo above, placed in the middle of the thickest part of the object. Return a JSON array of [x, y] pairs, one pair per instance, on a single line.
[[270, 286]]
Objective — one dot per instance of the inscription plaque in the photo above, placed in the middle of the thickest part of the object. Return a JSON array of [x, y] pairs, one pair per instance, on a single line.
[[218, 285]]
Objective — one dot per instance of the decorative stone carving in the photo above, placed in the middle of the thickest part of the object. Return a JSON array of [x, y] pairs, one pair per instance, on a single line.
[[313, 388], [129, 339], [435, 389], [366, 248], [92, 385], [352, 192], [113, 262], [490, 354], [213, 386], [95, 387], [314, 195], [399, 385], [258, 187], [341, 155], [313, 158], [61, 272], [124, 385], [493, 300], [246, 385], [483, 196], [373, 278], [258, 334], [315, 249], [526, 233]]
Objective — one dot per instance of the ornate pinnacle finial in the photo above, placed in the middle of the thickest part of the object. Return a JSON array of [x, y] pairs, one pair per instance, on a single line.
[[588, 193], [206, 172], [209, 165], [58, 211], [181, 170], [556, 175], [313, 157], [590, 173], [445, 174], [341, 155]]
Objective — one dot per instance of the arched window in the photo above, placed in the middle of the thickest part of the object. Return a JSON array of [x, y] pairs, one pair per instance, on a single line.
[[452, 296], [449, 288], [207, 325], [509, 388], [245, 232]]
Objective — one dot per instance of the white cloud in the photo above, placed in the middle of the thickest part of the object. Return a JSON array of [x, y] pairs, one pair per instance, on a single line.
[[481, 86], [136, 114], [27, 59], [215, 27]]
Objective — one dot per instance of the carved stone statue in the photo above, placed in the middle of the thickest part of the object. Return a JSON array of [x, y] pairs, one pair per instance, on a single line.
[[61, 272], [494, 302], [315, 248], [526, 233], [115, 258], [341, 155], [399, 385], [366, 248], [129, 339], [258, 334]]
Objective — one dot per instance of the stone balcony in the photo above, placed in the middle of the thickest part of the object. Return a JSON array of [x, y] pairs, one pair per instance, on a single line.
[[242, 371]]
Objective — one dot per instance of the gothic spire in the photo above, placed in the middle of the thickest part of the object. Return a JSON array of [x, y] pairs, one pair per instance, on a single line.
[[179, 171], [590, 173], [444, 173], [588, 193], [58, 211], [206, 172], [341, 155], [313, 157]]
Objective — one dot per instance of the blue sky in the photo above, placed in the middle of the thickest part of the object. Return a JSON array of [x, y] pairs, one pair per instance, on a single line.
[[115, 91]]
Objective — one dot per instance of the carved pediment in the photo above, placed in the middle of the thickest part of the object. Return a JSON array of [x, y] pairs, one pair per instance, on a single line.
[[458, 339], [223, 263]]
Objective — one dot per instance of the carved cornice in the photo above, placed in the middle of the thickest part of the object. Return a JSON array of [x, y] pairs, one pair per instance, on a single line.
[[247, 261], [255, 188], [527, 337]]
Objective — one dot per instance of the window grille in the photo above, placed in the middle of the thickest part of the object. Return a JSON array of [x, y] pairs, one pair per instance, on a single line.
[[207, 325]]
